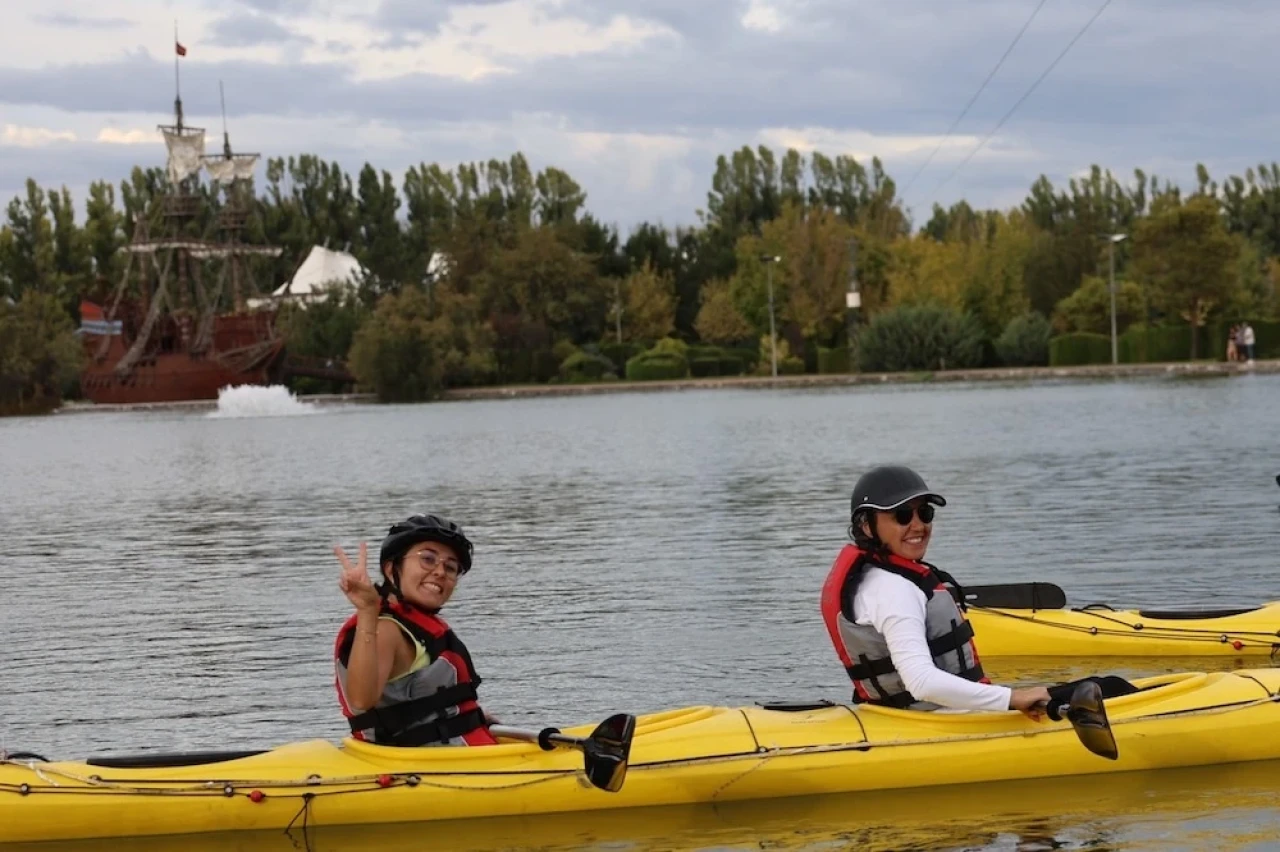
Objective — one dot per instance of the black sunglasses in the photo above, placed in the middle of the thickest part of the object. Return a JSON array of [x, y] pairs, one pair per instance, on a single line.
[[903, 514]]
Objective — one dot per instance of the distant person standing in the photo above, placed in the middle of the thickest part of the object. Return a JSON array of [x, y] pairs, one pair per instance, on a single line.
[[1233, 353], [1248, 339]]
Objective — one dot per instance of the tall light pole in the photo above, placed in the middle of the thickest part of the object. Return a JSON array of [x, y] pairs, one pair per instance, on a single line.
[[617, 306], [1111, 245], [769, 260], [852, 301]]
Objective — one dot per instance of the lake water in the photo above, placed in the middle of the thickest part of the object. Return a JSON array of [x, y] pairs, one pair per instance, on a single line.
[[168, 581]]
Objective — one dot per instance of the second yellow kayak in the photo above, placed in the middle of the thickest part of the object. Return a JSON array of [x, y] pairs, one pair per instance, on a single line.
[[1100, 631]]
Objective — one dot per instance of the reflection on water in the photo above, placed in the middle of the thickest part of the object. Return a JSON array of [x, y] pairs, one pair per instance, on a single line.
[[169, 583]]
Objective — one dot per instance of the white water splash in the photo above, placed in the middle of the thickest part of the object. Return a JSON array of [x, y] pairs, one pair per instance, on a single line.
[[259, 401]]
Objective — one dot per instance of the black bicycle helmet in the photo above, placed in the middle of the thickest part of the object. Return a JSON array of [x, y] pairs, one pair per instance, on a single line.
[[884, 488], [887, 487], [420, 528]]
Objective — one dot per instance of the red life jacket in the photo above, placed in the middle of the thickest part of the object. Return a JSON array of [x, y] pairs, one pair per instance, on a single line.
[[436, 705], [863, 650]]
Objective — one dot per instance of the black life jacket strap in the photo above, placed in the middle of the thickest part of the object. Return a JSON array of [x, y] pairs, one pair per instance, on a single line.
[[440, 731], [953, 641], [398, 717], [870, 670]]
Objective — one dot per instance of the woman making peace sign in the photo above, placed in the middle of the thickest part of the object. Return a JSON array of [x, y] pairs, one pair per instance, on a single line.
[[403, 677]]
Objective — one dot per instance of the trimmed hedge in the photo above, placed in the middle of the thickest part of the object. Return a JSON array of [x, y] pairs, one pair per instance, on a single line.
[[791, 366], [833, 360], [704, 367], [714, 361], [620, 354], [1154, 344], [649, 366], [586, 367], [1069, 350]]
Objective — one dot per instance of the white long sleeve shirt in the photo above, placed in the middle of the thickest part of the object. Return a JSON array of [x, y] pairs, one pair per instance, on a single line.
[[895, 607]]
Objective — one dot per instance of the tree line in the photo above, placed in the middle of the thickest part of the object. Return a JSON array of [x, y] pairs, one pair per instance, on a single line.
[[537, 288]]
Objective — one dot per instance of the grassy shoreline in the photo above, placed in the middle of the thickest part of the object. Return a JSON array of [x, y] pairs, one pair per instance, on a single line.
[[1001, 374]]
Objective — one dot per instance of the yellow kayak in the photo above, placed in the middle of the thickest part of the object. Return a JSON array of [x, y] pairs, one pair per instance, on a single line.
[[1013, 621], [687, 756], [997, 815]]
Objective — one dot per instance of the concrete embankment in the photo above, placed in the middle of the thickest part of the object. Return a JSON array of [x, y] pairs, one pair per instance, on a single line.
[[1005, 374]]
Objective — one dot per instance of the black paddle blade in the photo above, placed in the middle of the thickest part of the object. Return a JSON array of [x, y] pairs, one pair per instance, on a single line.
[[1016, 596], [1088, 717], [607, 751]]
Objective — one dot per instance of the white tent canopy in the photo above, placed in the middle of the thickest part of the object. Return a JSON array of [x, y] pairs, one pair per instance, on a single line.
[[325, 267], [322, 268]]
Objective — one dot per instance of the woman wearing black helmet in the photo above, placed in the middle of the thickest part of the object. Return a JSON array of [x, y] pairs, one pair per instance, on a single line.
[[897, 622], [403, 677]]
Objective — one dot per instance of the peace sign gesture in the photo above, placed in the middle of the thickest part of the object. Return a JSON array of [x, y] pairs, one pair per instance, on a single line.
[[354, 580]]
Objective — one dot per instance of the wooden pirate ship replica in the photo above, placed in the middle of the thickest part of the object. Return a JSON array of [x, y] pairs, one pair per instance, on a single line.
[[177, 326]]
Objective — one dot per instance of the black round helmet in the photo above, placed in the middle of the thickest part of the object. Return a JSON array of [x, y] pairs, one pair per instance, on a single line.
[[889, 486], [418, 528]]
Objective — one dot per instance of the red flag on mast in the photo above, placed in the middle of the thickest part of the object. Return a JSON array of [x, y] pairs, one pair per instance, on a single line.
[[182, 51]]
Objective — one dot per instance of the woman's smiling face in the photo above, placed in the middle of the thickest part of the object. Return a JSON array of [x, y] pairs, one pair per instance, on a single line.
[[904, 532], [429, 574]]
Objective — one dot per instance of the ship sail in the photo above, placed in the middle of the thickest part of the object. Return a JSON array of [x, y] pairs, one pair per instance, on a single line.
[[186, 149], [228, 170]]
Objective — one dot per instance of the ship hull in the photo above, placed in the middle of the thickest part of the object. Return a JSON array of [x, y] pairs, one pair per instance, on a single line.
[[245, 351]]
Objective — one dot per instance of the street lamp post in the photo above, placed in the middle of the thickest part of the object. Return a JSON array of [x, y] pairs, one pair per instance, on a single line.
[[617, 307], [1112, 240], [769, 260]]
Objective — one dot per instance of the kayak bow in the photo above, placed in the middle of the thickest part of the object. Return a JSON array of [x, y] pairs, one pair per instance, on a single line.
[[1032, 620]]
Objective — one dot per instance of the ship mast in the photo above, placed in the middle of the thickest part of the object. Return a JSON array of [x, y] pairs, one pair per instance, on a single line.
[[234, 173], [179, 204]]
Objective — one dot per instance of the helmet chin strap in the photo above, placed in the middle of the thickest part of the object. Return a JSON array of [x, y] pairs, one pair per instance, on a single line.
[[390, 584]]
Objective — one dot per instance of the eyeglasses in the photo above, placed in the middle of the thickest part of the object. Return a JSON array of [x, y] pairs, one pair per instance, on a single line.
[[903, 514], [431, 560]]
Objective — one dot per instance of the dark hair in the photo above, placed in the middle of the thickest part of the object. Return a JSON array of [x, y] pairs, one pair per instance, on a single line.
[[870, 542]]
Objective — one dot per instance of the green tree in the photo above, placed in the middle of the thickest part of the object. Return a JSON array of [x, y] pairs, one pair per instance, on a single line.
[[719, 320], [104, 230], [1089, 307], [399, 353], [925, 337], [650, 304], [40, 354], [324, 328], [381, 245], [1025, 341], [1184, 253], [28, 254]]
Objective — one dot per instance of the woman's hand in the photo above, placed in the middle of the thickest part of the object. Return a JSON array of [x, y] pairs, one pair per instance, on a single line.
[[354, 580], [1031, 700]]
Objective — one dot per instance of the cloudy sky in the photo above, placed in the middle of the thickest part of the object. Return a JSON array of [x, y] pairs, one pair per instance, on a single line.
[[635, 98]]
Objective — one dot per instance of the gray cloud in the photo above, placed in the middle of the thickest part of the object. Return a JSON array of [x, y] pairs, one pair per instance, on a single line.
[[1153, 82], [83, 22], [249, 30], [421, 17], [275, 7]]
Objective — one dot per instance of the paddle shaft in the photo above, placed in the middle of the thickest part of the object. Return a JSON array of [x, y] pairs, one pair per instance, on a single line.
[[544, 738]]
